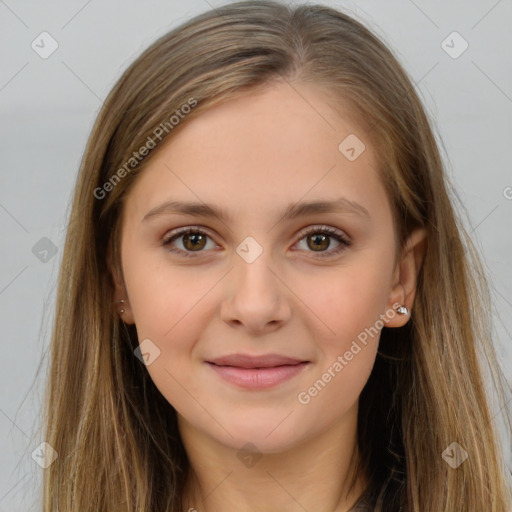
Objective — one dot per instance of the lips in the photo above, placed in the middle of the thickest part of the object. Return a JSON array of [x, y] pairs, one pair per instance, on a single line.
[[256, 372], [263, 361]]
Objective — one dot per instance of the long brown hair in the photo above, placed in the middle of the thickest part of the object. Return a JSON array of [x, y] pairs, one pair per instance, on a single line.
[[117, 437]]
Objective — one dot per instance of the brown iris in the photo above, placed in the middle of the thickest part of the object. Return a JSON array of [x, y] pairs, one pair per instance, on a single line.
[[320, 241], [194, 241]]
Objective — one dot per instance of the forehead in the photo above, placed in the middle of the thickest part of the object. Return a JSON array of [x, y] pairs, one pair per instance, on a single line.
[[275, 119], [261, 150]]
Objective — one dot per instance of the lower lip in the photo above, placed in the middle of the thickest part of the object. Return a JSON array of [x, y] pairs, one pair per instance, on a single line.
[[257, 378]]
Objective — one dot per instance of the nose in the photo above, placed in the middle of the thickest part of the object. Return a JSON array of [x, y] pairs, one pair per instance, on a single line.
[[256, 298]]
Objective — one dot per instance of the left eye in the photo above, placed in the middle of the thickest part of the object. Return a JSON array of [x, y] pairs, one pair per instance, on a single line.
[[194, 240], [319, 240]]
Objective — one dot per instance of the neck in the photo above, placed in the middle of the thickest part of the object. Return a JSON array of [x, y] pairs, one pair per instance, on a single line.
[[315, 474]]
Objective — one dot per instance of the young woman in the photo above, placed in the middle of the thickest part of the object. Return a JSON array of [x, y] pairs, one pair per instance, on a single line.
[[266, 300]]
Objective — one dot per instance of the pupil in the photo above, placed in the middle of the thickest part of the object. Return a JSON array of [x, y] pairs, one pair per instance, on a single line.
[[319, 241], [194, 241]]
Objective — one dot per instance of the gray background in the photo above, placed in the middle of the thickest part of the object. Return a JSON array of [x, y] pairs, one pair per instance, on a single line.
[[48, 107]]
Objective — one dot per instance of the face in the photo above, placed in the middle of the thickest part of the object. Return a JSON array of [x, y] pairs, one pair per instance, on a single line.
[[261, 323]]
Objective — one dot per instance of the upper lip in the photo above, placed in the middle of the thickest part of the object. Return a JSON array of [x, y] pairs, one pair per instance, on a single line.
[[263, 361]]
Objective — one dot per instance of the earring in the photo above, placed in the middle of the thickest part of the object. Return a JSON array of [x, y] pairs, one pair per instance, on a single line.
[[121, 311], [402, 310]]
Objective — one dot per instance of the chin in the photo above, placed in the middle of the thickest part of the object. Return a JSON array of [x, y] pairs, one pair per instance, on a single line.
[[269, 433]]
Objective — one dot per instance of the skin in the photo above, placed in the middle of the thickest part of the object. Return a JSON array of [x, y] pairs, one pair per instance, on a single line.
[[254, 156]]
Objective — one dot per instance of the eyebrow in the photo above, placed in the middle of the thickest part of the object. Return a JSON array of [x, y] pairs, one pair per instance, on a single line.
[[292, 211]]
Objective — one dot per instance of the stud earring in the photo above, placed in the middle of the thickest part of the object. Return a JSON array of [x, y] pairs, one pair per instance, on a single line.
[[402, 310], [121, 311]]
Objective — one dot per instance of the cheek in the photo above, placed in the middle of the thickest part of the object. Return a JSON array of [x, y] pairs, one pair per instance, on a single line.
[[351, 308], [350, 302], [168, 306], [348, 299], [163, 298]]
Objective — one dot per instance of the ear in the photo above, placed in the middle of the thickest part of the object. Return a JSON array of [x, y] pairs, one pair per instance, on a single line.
[[121, 309], [405, 277]]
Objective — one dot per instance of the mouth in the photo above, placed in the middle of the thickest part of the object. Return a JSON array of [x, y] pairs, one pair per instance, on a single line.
[[257, 372]]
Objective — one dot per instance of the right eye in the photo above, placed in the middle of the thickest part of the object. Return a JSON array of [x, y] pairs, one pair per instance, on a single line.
[[194, 240]]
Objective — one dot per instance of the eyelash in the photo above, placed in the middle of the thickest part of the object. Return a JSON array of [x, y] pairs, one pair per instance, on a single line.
[[324, 230]]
